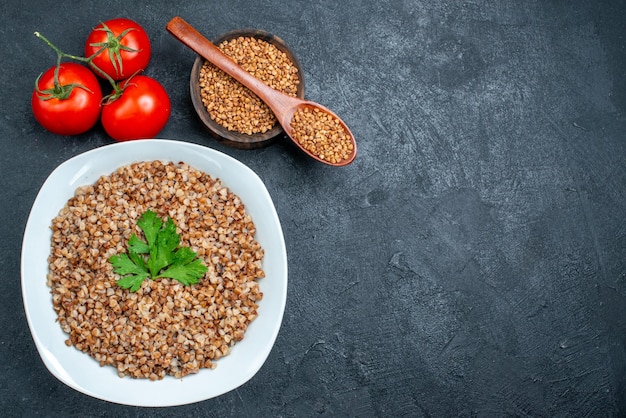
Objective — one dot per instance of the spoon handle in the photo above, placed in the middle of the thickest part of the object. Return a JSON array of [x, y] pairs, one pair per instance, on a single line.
[[189, 36]]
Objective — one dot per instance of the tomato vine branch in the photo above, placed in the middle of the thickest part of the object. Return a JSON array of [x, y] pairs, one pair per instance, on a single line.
[[62, 92]]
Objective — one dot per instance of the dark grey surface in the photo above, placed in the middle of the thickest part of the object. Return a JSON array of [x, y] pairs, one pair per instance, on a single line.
[[470, 262]]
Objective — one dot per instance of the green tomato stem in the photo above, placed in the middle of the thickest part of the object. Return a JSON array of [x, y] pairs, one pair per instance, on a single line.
[[117, 90]]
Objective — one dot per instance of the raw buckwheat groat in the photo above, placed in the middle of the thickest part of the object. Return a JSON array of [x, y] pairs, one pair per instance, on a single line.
[[234, 106]]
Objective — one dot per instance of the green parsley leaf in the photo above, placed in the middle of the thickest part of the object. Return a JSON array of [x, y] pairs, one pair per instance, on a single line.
[[138, 246], [134, 273], [161, 253], [157, 257], [185, 267], [150, 224]]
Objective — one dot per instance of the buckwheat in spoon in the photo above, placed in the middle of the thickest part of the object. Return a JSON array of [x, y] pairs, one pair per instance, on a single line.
[[315, 129]]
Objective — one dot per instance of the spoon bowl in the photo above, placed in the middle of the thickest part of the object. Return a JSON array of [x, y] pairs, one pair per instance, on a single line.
[[283, 105]]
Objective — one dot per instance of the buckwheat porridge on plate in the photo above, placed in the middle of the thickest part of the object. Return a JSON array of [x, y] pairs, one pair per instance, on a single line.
[[165, 327]]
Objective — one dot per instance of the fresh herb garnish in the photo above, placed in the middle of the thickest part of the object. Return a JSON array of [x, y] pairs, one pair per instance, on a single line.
[[157, 257]]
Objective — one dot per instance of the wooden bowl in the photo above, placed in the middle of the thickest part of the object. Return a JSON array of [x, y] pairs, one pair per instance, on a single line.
[[233, 138]]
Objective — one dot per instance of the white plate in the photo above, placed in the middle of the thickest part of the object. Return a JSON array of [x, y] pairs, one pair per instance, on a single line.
[[81, 372]]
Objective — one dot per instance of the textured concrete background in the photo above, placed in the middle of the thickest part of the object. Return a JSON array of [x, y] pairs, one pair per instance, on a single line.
[[470, 262]]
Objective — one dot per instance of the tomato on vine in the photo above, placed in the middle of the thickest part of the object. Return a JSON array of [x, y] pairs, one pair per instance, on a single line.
[[67, 99], [119, 47], [139, 109]]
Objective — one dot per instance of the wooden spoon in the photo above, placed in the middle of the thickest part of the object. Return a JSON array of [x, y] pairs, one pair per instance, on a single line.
[[283, 105]]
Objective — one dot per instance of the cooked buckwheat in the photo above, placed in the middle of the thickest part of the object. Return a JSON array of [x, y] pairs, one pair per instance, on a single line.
[[165, 328]]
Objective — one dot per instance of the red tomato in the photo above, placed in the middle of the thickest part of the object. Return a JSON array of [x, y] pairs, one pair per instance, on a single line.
[[140, 112], [72, 107], [127, 48]]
